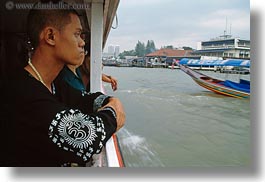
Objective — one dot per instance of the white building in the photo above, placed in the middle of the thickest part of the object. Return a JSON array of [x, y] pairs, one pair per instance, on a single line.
[[114, 50], [224, 46], [111, 49]]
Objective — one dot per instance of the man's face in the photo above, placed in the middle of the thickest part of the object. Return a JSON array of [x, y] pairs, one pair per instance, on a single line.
[[70, 46]]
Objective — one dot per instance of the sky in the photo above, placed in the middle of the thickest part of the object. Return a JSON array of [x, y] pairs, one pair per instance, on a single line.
[[178, 22]]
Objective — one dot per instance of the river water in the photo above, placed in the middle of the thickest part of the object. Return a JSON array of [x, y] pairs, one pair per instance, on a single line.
[[173, 122]]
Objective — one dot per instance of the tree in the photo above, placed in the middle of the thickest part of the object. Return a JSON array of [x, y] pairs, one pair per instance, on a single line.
[[168, 47], [186, 48], [140, 49], [127, 53], [150, 47]]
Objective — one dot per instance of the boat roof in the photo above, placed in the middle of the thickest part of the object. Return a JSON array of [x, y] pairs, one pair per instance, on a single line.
[[226, 62]]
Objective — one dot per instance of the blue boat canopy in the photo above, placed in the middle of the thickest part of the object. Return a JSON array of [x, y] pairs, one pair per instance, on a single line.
[[227, 62]]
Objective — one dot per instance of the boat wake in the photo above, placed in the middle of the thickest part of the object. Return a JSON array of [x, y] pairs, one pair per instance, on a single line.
[[136, 151]]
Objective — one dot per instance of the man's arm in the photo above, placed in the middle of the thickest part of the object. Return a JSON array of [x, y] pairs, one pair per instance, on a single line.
[[109, 79], [82, 134], [117, 106]]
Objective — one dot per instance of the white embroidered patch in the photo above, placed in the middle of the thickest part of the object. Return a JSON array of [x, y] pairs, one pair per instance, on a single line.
[[77, 130]]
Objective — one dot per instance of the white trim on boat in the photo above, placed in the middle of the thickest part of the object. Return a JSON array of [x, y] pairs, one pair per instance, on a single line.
[[111, 151], [114, 158], [96, 46]]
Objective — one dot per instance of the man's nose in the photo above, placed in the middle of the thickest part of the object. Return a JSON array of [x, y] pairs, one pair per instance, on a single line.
[[82, 43]]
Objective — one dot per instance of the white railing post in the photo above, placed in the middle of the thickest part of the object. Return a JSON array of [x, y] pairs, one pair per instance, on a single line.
[[96, 46]]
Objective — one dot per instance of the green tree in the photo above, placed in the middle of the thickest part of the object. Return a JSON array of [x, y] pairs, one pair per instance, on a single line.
[[140, 49], [127, 53], [186, 48], [150, 47], [168, 47]]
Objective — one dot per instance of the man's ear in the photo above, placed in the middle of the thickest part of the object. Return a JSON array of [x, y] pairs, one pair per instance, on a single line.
[[49, 35]]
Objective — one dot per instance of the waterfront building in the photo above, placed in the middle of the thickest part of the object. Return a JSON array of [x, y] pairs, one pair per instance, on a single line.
[[224, 46], [165, 57]]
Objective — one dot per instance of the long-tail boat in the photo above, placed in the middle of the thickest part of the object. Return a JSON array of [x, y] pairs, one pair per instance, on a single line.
[[224, 87]]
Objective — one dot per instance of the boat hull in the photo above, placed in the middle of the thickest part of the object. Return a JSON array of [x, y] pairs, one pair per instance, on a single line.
[[212, 84], [222, 90]]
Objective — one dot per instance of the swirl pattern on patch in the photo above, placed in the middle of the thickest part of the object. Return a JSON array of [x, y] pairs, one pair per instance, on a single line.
[[79, 133], [77, 130]]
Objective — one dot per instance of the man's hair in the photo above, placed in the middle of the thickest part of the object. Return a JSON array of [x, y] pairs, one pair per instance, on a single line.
[[39, 18]]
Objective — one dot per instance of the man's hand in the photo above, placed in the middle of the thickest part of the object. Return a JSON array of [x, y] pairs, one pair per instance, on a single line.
[[114, 83], [116, 104]]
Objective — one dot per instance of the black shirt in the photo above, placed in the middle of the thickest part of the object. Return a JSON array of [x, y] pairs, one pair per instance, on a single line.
[[37, 129]]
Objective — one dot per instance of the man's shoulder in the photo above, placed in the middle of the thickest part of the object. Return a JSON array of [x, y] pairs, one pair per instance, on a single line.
[[21, 84], [19, 78]]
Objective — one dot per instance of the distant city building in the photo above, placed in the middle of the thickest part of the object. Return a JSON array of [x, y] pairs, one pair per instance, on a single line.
[[111, 49], [224, 46], [114, 50]]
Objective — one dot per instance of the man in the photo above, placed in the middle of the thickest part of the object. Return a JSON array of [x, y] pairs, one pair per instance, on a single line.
[[37, 129]]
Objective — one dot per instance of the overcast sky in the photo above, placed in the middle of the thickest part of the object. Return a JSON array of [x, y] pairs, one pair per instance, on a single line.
[[178, 22]]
